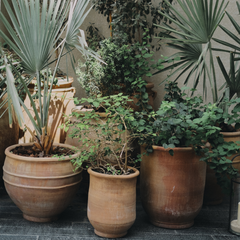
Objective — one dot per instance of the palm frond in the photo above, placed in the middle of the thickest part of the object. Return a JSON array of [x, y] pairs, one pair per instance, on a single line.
[[196, 22]]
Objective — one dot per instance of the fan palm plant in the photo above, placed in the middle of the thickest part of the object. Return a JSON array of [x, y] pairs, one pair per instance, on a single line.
[[34, 32], [196, 22], [232, 78]]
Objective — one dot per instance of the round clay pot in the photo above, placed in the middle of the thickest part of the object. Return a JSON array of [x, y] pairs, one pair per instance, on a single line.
[[233, 137], [112, 203], [172, 187], [41, 187]]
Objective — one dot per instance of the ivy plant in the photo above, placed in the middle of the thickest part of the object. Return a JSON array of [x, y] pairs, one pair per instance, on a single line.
[[105, 144], [125, 71], [183, 121]]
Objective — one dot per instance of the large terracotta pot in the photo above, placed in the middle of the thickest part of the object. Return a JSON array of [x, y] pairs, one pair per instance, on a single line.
[[172, 186], [112, 203], [41, 187], [233, 137]]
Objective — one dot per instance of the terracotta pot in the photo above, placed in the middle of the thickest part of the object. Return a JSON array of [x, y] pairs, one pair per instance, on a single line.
[[112, 203], [151, 95], [8, 135], [172, 187], [233, 137], [41, 187], [61, 103]]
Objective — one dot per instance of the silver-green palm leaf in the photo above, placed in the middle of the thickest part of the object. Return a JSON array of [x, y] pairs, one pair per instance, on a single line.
[[195, 23], [35, 30]]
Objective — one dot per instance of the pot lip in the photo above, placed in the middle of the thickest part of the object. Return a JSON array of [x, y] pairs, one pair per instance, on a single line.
[[230, 134], [150, 85], [179, 149], [42, 159], [101, 175]]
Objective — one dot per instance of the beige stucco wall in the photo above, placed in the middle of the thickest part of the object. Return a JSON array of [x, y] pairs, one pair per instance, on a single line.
[[101, 24]]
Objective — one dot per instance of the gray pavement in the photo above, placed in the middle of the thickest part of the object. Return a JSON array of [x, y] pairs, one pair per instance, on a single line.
[[210, 224]]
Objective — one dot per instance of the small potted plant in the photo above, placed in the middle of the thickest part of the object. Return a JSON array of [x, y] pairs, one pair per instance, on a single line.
[[112, 190], [37, 182], [172, 177]]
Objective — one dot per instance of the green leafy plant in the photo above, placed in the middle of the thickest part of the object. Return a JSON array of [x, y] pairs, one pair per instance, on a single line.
[[125, 70], [35, 31], [132, 17], [105, 144], [94, 37], [183, 121]]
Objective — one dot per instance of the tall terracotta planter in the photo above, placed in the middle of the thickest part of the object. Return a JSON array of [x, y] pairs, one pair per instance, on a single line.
[[41, 187], [112, 203], [172, 186]]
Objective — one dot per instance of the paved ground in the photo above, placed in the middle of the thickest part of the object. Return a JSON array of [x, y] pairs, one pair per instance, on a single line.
[[211, 224]]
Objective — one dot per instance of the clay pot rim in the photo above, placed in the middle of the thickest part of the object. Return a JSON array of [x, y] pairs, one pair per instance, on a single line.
[[42, 159], [150, 85], [179, 149], [230, 134], [102, 175]]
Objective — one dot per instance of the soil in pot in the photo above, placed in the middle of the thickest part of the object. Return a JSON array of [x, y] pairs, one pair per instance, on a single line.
[[112, 203], [41, 187]]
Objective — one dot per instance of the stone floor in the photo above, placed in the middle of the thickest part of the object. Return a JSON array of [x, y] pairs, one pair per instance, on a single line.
[[211, 224]]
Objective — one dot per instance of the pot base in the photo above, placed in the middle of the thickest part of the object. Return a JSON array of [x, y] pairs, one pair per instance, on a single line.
[[109, 235], [36, 219], [172, 226]]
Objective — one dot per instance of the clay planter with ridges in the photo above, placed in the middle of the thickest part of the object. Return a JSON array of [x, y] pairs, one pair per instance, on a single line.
[[41, 187], [112, 203], [172, 187]]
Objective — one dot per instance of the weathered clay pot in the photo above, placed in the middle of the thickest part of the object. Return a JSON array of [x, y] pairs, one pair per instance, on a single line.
[[41, 187], [233, 137], [112, 203], [172, 186]]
